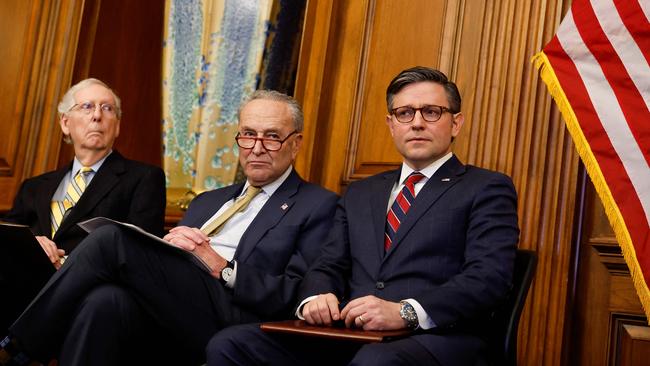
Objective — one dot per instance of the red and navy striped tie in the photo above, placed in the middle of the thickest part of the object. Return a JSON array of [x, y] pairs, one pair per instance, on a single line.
[[400, 207]]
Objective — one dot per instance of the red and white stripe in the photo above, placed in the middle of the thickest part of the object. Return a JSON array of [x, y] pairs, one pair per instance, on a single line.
[[600, 56]]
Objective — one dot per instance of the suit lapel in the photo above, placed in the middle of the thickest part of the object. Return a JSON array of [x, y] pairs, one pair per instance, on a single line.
[[44, 199], [213, 205], [104, 180], [271, 213], [380, 194], [444, 178]]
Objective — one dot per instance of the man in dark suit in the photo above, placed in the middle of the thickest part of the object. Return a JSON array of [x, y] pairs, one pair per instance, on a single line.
[[118, 290], [117, 187], [429, 247]]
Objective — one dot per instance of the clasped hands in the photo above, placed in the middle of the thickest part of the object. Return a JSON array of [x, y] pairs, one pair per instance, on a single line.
[[194, 240], [368, 312]]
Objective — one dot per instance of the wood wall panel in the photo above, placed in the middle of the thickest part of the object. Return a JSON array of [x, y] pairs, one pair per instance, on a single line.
[[511, 126], [39, 40], [635, 345], [609, 326], [121, 44]]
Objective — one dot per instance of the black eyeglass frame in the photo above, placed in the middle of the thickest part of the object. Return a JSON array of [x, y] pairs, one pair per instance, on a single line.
[[264, 140], [442, 110]]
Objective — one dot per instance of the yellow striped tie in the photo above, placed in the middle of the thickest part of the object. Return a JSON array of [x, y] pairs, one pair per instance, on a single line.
[[239, 205], [72, 194]]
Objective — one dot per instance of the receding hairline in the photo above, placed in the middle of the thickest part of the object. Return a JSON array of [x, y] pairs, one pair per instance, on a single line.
[[293, 107]]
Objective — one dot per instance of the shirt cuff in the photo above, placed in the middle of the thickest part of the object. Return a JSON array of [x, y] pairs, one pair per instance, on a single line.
[[299, 310], [424, 320]]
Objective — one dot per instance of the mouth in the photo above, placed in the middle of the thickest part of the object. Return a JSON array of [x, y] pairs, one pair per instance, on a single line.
[[258, 163], [418, 139]]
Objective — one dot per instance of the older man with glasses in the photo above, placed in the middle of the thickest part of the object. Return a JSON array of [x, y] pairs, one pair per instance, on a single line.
[[428, 248], [119, 292], [97, 182]]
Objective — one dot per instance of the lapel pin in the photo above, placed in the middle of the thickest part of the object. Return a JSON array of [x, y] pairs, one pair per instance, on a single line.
[[445, 179], [284, 206]]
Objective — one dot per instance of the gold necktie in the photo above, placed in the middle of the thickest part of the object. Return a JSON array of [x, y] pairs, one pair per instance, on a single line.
[[240, 204], [72, 194]]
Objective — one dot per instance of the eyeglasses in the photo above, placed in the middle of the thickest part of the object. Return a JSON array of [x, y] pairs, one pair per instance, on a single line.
[[90, 107], [269, 143], [430, 113]]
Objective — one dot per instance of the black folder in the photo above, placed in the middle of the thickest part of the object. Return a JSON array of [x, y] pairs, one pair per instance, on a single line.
[[24, 266]]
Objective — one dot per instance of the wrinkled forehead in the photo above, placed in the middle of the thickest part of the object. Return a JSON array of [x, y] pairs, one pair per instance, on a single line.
[[94, 93], [262, 115]]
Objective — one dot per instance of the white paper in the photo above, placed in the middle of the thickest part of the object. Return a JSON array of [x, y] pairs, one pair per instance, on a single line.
[[97, 222]]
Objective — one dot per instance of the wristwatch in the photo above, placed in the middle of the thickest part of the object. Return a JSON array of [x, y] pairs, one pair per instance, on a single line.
[[226, 272], [407, 312]]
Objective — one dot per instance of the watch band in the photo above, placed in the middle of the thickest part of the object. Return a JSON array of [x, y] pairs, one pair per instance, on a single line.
[[408, 313]]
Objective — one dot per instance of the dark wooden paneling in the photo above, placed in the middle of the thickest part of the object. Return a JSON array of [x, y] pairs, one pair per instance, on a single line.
[[634, 345], [606, 305], [121, 44]]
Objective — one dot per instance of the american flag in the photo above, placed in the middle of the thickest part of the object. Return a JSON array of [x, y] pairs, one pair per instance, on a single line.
[[597, 69]]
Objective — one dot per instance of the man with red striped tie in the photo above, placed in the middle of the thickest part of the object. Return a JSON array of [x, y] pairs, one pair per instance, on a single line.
[[429, 247]]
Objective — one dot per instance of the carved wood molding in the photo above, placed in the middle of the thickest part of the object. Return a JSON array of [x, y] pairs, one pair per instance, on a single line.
[[625, 328], [610, 255]]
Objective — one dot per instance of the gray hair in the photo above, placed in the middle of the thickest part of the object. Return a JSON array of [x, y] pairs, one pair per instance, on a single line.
[[67, 102], [420, 74], [294, 107]]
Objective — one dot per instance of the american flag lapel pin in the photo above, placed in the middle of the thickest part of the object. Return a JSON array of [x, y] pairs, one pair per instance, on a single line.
[[284, 206], [446, 179]]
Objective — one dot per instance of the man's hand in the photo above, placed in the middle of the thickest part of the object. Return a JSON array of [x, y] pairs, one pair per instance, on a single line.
[[55, 254], [194, 240], [322, 310], [373, 313], [186, 237]]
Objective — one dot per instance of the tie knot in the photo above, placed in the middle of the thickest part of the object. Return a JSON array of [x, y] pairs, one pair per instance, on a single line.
[[252, 191], [85, 170], [414, 178]]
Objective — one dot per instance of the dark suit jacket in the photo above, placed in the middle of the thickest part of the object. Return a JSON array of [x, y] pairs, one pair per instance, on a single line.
[[453, 253], [122, 189], [277, 248]]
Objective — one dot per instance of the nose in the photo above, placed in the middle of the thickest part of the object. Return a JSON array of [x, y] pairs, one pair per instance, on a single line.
[[97, 113], [258, 148], [418, 121]]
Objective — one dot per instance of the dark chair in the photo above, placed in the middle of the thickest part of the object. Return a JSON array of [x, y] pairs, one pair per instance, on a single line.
[[503, 343]]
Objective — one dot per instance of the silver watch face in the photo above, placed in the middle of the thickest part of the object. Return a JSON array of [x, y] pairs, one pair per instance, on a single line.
[[226, 273]]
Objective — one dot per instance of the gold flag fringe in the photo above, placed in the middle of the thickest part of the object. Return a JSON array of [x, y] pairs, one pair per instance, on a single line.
[[547, 74]]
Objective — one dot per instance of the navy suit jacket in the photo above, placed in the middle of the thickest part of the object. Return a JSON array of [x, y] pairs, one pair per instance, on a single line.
[[453, 253], [278, 247], [122, 189]]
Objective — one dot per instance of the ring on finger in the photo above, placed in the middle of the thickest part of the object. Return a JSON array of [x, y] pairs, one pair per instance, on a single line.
[[361, 319]]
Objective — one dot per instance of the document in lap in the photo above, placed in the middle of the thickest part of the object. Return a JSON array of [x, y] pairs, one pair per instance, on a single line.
[[97, 222], [23, 263]]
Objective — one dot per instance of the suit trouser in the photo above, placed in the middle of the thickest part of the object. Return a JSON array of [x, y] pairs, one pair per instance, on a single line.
[[249, 345], [144, 282]]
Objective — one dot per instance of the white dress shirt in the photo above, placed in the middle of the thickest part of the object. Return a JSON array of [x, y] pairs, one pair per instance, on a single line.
[[424, 319], [61, 190], [226, 240]]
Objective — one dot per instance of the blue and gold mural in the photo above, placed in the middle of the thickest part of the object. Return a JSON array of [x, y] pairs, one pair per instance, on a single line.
[[215, 53]]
